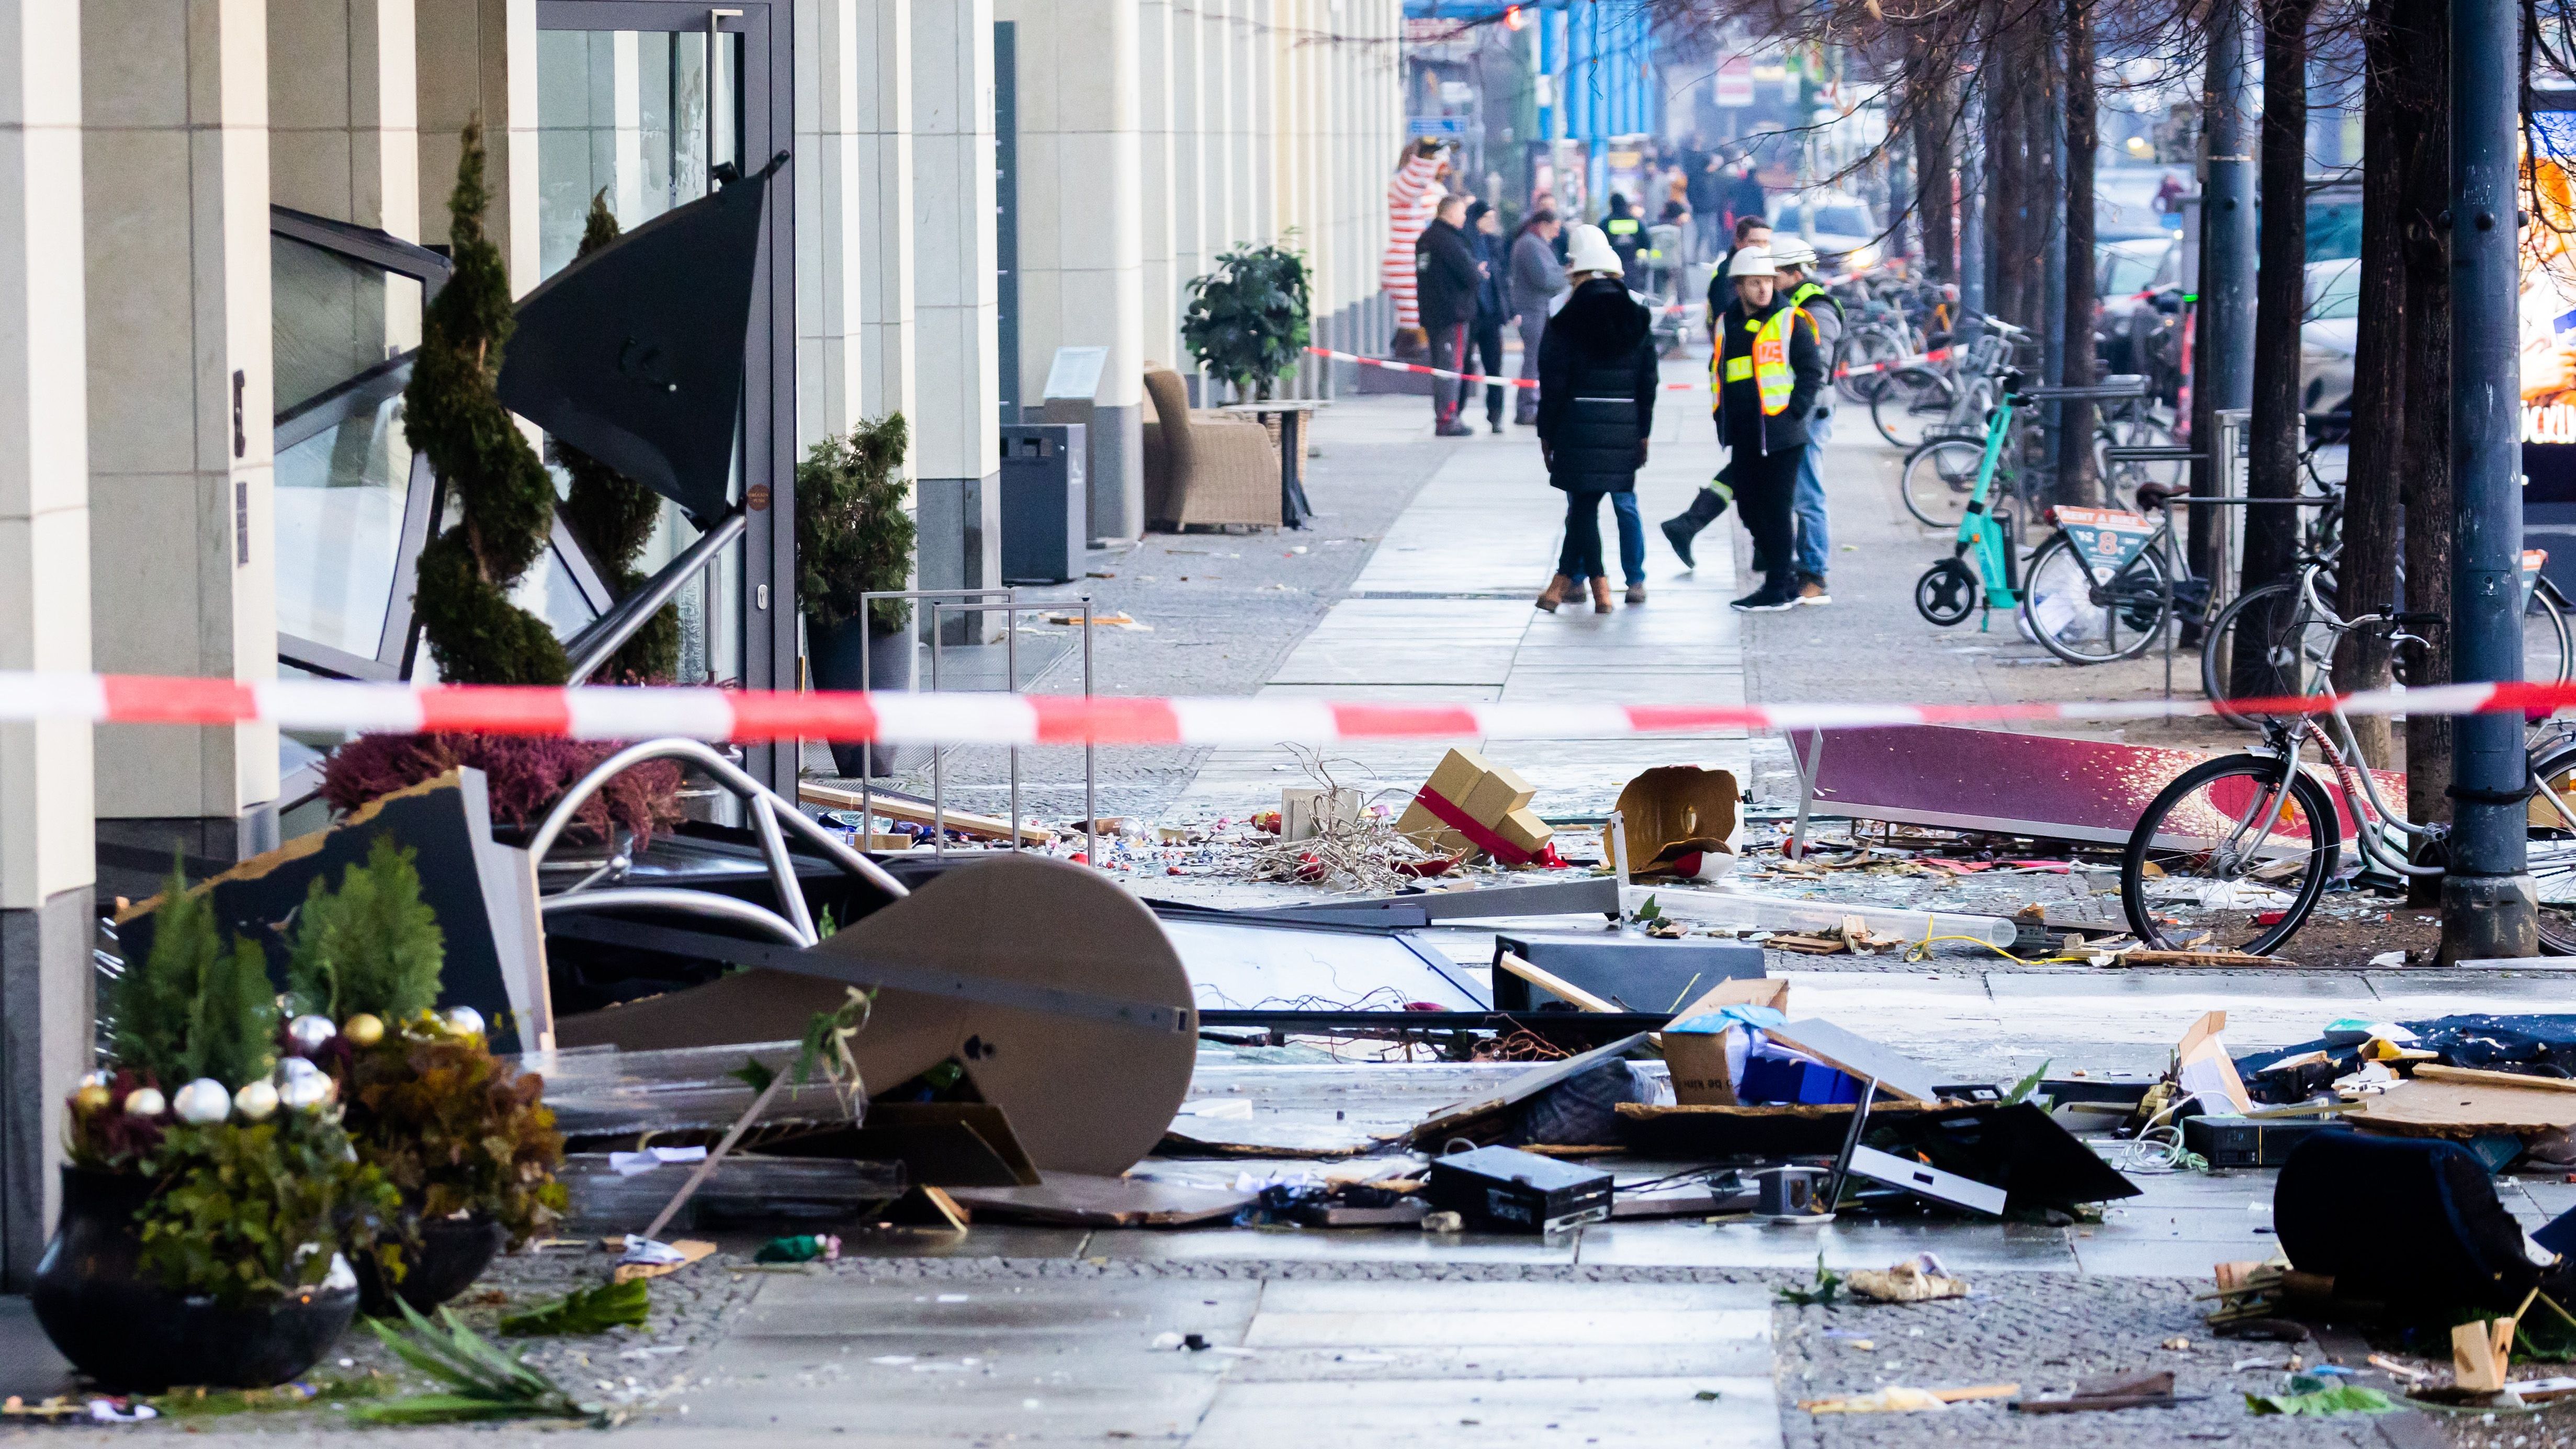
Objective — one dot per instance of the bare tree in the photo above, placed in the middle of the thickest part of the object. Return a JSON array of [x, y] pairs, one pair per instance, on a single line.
[[2076, 482]]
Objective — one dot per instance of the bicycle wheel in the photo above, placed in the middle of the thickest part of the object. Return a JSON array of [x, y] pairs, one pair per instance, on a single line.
[[2544, 641], [1939, 479], [2292, 648], [2083, 619], [2220, 861], [2551, 846], [1915, 401], [1874, 349]]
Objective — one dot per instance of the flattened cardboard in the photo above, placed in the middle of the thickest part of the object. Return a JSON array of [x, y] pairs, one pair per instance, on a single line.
[[1897, 1075], [2202, 1065], [1746, 991], [1676, 810], [2428, 1107], [484, 894], [940, 1144], [1697, 1060]]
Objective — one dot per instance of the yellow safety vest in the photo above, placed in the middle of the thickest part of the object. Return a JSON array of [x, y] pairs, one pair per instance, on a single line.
[[1768, 365]]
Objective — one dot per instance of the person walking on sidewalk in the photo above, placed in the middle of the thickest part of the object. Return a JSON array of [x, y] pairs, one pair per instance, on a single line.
[[1796, 261], [1493, 274], [1596, 408], [1537, 279], [1446, 265], [1714, 495], [1767, 373]]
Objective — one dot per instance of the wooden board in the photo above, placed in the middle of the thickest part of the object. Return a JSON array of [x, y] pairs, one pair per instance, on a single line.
[[2433, 1108], [895, 807], [1695, 1134], [2474, 1077], [1087, 1201]]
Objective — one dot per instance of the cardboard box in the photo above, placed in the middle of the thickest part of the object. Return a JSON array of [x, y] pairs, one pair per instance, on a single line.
[[1497, 793], [1524, 831], [1696, 1056], [1674, 812]]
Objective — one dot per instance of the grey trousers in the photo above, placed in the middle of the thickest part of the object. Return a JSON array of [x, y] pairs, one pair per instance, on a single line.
[[1533, 326]]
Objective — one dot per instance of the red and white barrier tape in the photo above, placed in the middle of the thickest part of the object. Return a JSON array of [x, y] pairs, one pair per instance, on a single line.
[[1695, 385], [1000, 719]]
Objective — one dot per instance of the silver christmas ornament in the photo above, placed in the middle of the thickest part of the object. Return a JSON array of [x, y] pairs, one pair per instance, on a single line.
[[464, 1021], [311, 1033], [255, 1101], [304, 1092], [203, 1102], [145, 1102]]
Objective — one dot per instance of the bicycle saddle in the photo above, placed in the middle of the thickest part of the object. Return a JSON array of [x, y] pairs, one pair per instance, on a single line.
[[2153, 493]]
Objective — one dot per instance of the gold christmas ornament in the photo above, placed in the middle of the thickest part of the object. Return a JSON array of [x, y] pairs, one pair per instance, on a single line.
[[92, 1097], [145, 1102], [363, 1029], [255, 1101]]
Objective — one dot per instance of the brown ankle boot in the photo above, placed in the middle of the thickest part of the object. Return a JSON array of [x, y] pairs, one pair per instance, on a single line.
[[1600, 595], [1554, 593]]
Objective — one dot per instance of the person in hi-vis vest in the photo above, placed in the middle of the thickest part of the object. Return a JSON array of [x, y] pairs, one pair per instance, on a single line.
[[1796, 263], [1765, 376]]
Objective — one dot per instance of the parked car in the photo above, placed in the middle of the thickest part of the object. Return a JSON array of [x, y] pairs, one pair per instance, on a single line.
[[1836, 223], [2327, 330], [2139, 325]]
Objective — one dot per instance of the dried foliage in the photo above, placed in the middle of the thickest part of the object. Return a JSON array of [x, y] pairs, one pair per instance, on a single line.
[[524, 776], [452, 1129]]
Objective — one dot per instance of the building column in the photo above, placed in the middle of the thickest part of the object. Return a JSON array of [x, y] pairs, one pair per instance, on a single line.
[[956, 440], [1190, 258], [175, 184], [1161, 285], [831, 219], [881, 67], [46, 858], [479, 58], [1081, 246], [344, 113]]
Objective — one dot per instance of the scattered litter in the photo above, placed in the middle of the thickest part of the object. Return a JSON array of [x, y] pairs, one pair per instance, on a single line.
[[628, 1164], [1919, 1280], [800, 1248], [2325, 1403], [645, 1258], [2136, 1389], [1898, 1399]]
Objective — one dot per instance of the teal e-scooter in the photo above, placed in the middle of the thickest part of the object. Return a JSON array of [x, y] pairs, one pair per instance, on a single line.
[[1984, 570]]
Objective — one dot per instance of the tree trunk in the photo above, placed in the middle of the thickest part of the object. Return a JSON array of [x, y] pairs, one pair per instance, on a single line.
[[2280, 297], [2366, 576], [2421, 48], [2007, 282], [1935, 102], [2076, 482]]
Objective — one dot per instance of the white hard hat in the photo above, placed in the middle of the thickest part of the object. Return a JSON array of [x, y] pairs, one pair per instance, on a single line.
[[1588, 250], [1792, 252], [1751, 262]]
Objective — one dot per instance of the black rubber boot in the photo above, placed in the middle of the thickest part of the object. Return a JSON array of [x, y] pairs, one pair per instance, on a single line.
[[1705, 506]]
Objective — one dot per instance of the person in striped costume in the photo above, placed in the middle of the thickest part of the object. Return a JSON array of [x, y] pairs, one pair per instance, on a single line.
[[1411, 200]]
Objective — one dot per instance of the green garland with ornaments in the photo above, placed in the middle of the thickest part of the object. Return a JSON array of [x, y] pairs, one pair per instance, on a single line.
[[279, 1143]]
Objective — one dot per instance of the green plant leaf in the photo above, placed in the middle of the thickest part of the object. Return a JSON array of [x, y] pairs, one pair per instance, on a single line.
[[2022, 1089], [479, 1381], [2349, 1399], [583, 1311]]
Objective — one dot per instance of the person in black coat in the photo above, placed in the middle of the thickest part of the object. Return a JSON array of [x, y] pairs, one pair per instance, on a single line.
[[1485, 335], [1445, 264], [1596, 407]]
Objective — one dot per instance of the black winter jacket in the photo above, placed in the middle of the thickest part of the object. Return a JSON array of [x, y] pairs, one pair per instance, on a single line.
[[1596, 389], [1739, 404], [1445, 266]]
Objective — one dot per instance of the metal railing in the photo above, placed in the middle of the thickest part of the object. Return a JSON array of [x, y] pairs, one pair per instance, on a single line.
[[977, 601]]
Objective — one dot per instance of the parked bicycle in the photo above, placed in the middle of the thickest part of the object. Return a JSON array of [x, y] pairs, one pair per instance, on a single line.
[[1939, 474], [2235, 854]]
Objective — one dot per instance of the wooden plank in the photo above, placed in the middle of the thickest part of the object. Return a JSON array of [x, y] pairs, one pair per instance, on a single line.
[[2473, 1076], [2457, 1109], [1551, 982], [891, 807]]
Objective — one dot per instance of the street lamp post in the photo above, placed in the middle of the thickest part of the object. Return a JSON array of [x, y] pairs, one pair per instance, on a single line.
[[2488, 902]]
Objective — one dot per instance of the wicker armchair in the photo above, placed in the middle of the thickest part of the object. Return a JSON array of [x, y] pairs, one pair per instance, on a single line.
[[1205, 467]]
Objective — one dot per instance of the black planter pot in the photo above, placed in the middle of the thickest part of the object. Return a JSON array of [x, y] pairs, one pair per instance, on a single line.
[[127, 1333], [453, 1253], [837, 653]]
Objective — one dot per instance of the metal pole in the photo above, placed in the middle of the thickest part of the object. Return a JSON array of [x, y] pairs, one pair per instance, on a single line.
[[2223, 367], [1011, 666], [1090, 800], [2489, 905], [868, 751], [938, 756]]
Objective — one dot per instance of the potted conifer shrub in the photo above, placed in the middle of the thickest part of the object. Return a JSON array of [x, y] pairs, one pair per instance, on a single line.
[[465, 1141], [853, 537], [212, 1198]]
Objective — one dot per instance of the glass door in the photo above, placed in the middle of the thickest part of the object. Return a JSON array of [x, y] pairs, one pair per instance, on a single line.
[[645, 105]]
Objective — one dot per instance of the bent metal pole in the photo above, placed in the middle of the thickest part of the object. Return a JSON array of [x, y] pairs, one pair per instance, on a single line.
[[2488, 902]]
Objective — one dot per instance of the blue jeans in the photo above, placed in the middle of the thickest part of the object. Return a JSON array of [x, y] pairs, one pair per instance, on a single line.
[[1581, 557], [1815, 540]]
